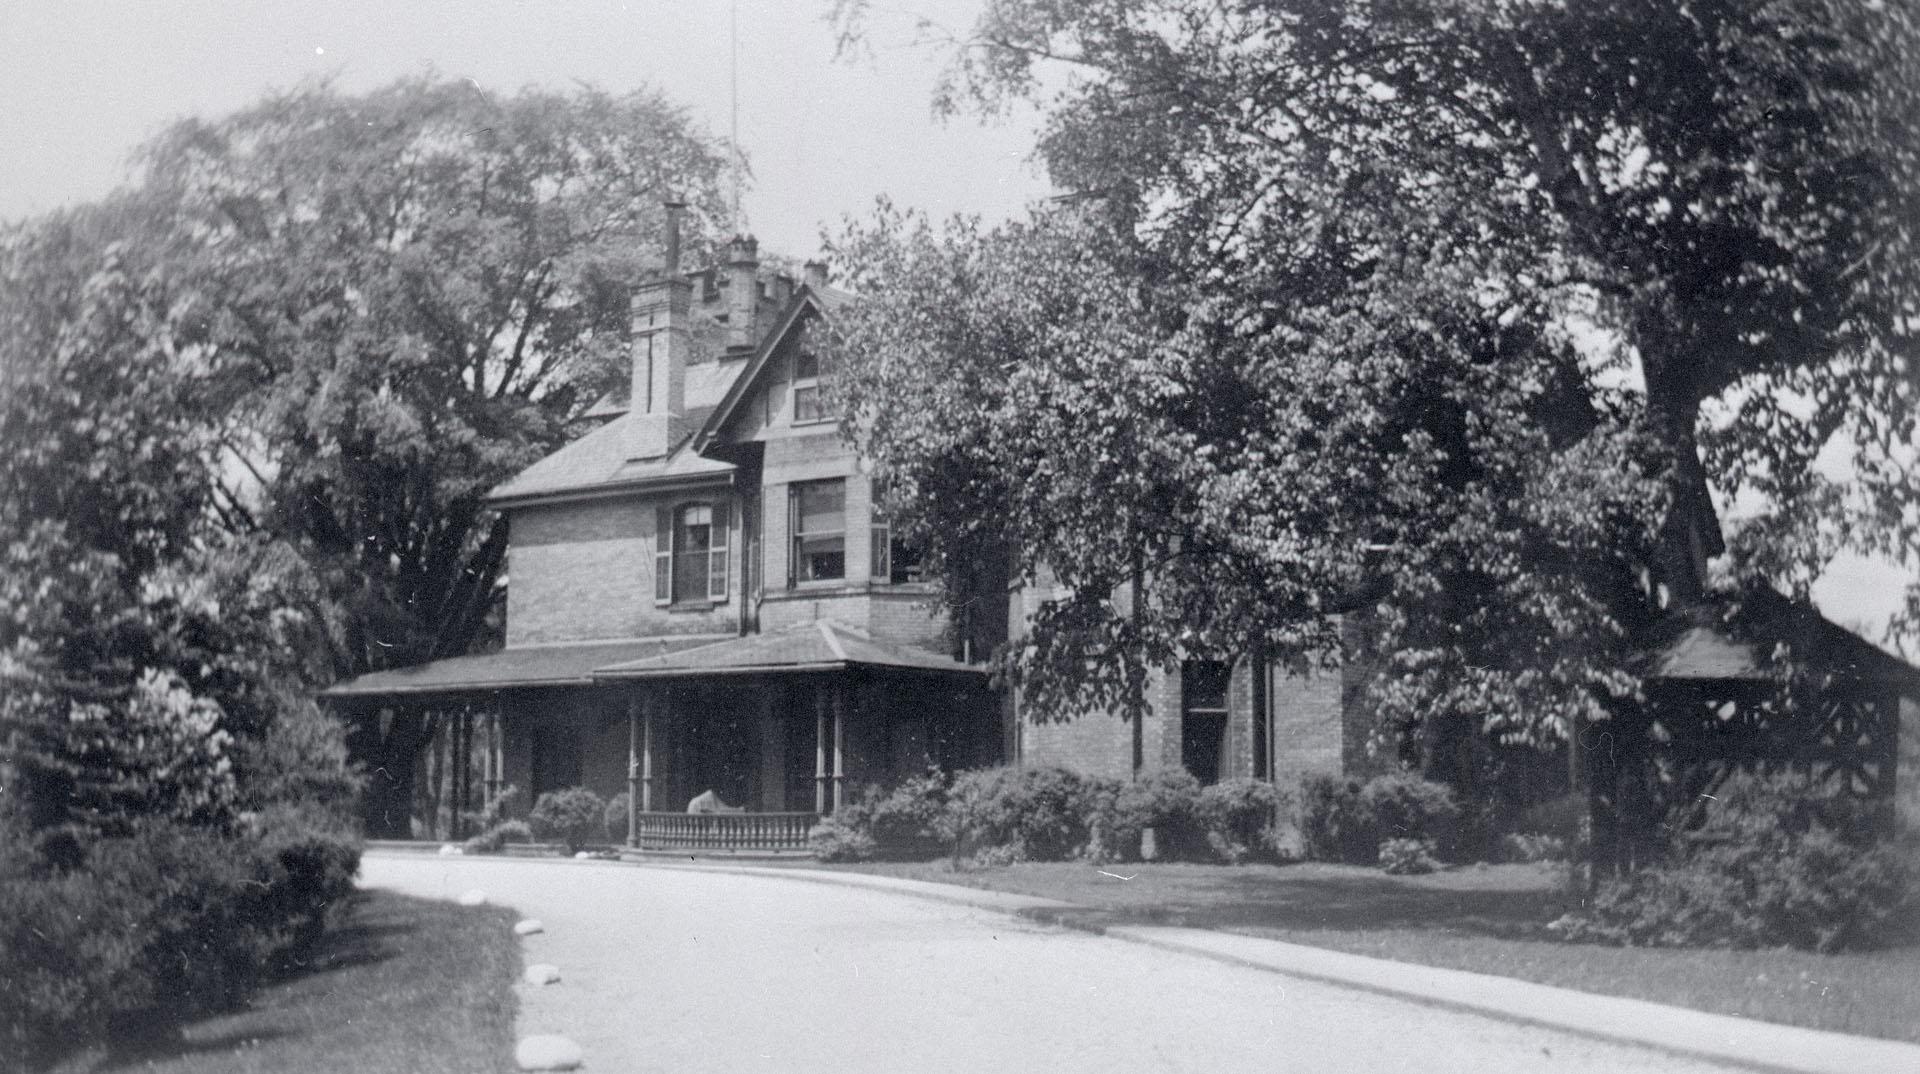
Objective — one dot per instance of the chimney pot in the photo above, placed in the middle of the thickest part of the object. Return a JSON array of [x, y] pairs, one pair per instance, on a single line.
[[743, 292]]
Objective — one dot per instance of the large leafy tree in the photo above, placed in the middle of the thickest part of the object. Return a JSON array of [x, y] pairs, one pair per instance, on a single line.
[[1472, 308], [405, 297]]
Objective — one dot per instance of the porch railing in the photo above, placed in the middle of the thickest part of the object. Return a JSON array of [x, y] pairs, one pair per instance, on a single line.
[[724, 831]]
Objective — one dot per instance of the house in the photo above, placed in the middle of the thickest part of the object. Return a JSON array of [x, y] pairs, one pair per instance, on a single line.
[[703, 598]]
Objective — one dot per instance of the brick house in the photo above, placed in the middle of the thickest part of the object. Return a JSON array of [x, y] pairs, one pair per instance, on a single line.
[[702, 598]]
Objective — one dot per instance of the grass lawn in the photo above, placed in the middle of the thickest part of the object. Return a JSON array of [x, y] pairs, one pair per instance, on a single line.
[[403, 985], [1486, 919]]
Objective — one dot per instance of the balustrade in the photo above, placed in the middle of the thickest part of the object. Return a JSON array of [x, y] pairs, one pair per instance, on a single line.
[[723, 831]]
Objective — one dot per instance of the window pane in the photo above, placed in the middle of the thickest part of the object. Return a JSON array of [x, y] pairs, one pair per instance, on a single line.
[[1203, 685], [821, 558], [806, 404], [881, 567], [906, 562], [822, 506], [806, 364]]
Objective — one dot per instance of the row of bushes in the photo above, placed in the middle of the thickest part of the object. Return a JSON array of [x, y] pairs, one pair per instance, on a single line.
[[573, 816], [1054, 814], [109, 935]]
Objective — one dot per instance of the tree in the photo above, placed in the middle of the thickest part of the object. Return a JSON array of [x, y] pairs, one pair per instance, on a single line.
[[1473, 308], [403, 298], [146, 658]]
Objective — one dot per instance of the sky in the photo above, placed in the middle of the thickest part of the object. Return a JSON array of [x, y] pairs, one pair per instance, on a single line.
[[83, 82]]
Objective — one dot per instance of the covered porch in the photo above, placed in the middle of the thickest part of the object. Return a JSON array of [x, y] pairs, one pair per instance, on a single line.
[[743, 745], [731, 745]]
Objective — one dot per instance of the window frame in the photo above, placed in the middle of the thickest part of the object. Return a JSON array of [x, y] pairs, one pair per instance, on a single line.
[[884, 552], [798, 385], [668, 519], [795, 535]]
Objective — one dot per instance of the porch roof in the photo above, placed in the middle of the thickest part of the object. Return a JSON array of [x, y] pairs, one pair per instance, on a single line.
[[522, 666], [823, 645], [1747, 635]]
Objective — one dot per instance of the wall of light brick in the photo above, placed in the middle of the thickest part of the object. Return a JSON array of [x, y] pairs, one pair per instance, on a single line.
[[584, 571]]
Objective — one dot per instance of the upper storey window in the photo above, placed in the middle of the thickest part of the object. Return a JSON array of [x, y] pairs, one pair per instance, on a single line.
[[895, 561], [819, 516], [807, 405], [690, 558]]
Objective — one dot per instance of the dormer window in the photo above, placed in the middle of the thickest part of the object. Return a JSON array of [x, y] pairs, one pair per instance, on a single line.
[[807, 405], [690, 554]]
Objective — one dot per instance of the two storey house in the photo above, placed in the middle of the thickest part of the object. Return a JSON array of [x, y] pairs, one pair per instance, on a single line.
[[703, 598]]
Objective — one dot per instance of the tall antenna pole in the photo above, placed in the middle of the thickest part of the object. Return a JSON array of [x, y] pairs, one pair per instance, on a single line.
[[733, 39]]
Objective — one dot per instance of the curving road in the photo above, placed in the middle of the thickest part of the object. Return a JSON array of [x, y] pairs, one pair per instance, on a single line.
[[681, 971]]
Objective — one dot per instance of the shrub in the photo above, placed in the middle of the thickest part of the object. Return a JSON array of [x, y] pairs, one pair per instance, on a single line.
[[1527, 847], [1347, 820], [615, 817], [1238, 818], [496, 838], [574, 816], [167, 921], [1771, 861], [906, 821], [1166, 800], [835, 839], [1039, 814], [1407, 857]]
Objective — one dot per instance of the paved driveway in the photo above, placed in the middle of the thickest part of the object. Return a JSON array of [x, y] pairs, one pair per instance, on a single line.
[[679, 971]]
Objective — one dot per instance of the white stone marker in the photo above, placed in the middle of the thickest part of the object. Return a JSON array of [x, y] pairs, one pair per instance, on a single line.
[[476, 897], [541, 973], [547, 1052], [528, 926]]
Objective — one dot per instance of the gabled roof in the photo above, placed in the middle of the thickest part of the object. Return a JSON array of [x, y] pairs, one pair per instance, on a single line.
[[598, 462], [515, 668], [817, 646], [820, 299], [1747, 636]]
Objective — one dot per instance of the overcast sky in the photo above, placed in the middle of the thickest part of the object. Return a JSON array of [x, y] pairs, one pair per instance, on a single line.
[[82, 82]]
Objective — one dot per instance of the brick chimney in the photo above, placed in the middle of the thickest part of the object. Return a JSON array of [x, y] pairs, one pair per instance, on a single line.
[[743, 292], [662, 344], [815, 274]]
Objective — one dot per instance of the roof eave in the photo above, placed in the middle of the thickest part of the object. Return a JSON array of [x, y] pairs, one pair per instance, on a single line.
[[603, 490]]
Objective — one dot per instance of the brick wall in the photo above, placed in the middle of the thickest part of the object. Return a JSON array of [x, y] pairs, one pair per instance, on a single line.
[[583, 571]]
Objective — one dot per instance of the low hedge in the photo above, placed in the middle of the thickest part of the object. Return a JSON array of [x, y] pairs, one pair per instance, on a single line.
[[161, 923], [1050, 813]]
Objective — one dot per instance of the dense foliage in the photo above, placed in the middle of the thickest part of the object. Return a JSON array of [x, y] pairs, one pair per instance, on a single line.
[[1768, 861], [1350, 820], [1046, 813], [574, 816], [1470, 311]]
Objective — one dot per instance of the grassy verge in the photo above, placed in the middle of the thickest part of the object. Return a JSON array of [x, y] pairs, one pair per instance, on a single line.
[[1484, 919], [403, 984]]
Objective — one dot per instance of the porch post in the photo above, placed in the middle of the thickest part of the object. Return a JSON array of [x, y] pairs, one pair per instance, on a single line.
[[647, 705], [633, 770], [839, 743], [462, 743], [819, 751]]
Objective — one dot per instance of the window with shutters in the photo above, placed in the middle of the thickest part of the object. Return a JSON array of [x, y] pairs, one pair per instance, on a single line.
[[690, 557], [818, 513]]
